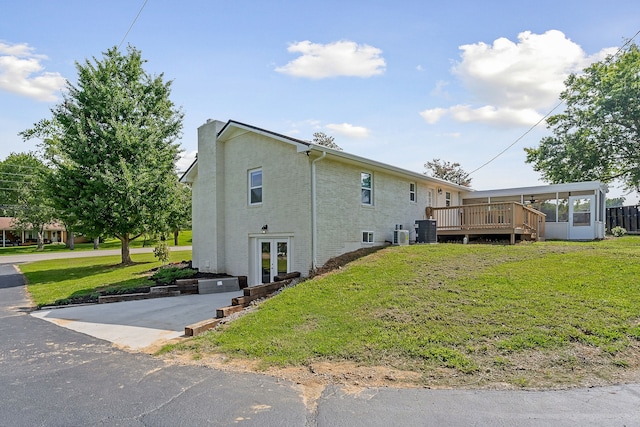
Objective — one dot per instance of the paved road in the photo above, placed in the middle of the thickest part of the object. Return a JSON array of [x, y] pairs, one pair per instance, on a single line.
[[19, 259], [52, 376]]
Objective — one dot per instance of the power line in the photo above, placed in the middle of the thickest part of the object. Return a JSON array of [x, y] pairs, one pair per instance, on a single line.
[[133, 23], [548, 114], [519, 138]]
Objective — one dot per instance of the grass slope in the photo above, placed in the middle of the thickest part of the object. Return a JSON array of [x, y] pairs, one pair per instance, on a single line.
[[545, 314]]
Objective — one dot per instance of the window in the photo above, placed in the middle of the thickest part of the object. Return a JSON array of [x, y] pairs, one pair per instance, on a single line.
[[367, 237], [582, 212], [255, 187], [412, 191], [447, 199], [366, 185]]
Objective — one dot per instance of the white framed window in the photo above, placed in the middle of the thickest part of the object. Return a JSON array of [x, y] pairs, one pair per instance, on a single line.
[[447, 199], [366, 188], [255, 186], [412, 192], [367, 237]]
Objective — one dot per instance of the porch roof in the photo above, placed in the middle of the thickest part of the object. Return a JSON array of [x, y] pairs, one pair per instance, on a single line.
[[6, 224], [587, 187]]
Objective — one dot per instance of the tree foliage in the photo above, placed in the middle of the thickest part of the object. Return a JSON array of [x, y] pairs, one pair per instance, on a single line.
[[23, 180], [448, 171], [112, 145], [321, 138], [615, 202], [597, 137]]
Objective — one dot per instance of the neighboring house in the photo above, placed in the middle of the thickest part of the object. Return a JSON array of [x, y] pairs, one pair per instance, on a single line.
[[53, 232], [265, 204]]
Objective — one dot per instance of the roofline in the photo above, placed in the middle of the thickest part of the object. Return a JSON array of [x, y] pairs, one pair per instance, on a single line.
[[540, 189], [185, 173], [266, 132], [306, 146], [385, 166]]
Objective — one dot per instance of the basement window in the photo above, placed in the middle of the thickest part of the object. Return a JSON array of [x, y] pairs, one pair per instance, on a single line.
[[367, 237]]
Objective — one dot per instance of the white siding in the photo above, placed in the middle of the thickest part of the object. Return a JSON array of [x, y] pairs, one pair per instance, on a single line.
[[342, 217], [286, 200], [226, 227]]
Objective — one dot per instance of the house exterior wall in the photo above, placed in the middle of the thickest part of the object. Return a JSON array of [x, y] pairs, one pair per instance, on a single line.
[[342, 218], [227, 228], [285, 207], [207, 254]]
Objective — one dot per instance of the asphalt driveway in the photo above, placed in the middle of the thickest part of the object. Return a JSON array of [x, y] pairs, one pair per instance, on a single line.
[[52, 376]]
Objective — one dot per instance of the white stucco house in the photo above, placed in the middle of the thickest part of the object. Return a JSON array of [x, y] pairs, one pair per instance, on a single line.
[[266, 204]]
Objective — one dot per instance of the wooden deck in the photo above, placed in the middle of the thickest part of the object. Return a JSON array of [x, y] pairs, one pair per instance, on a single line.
[[508, 218]]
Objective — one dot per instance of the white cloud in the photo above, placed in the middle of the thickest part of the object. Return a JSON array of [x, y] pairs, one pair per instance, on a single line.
[[342, 58], [21, 72], [349, 130], [433, 115], [515, 81], [440, 89], [185, 160], [494, 115]]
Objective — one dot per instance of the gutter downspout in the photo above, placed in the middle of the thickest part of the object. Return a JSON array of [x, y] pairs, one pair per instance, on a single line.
[[314, 220]]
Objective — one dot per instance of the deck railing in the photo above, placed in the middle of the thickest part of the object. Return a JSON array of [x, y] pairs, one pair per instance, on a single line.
[[508, 218]]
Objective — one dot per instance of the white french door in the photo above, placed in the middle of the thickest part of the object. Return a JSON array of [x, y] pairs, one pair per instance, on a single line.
[[273, 258]]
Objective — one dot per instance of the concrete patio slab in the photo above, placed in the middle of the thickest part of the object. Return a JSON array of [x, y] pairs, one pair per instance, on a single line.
[[138, 324]]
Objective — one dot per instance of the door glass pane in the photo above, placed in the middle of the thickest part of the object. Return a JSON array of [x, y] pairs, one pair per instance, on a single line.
[[265, 252], [282, 257], [582, 212]]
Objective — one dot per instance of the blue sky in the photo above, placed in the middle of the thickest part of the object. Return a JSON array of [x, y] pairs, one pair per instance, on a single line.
[[401, 82]]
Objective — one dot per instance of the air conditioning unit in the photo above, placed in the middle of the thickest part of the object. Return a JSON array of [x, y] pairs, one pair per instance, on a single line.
[[401, 237]]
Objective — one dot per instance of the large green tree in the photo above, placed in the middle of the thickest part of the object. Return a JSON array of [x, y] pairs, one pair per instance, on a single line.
[[112, 143], [448, 171], [597, 137], [23, 181]]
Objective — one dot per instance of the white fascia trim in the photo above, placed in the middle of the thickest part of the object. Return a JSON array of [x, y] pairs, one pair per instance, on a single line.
[[379, 166], [542, 189]]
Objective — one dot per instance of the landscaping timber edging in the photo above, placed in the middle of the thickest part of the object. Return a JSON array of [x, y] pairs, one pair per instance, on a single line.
[[227, 311], [200, 327], [263, 290]]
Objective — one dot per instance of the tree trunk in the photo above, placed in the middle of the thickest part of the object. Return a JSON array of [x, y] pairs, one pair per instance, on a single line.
[[71, 240], [126, 256], [96, 243], [175, 237], [40, 241]]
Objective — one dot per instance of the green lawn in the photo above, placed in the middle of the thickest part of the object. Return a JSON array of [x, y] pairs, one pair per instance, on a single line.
[[184, 239], [538, 314], [58, 280]]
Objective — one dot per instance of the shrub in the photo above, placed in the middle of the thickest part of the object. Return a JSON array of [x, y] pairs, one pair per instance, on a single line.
[[161, 251], [618, 231], [169, 274]]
